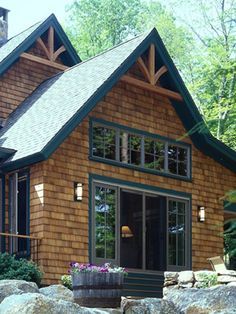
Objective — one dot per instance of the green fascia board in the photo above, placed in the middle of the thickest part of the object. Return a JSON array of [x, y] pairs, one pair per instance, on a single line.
[[28, 42], [23, 162], [188, 112], [6, 152]]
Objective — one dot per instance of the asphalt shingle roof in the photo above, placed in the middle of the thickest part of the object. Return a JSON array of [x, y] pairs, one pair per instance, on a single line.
[[43, 114], [15, 41]]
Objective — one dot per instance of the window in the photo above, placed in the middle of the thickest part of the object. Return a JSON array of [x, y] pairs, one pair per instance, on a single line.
[[104, 142], [154, 154], [143, 151], [139, 229], [19, 213], [105, 222], [177, 160], [130, 148], [176, 233]]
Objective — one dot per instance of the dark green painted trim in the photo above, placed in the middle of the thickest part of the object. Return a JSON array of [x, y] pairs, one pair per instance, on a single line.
[[136, 168], [26, 44], [90, 216], [130, 166], [23, 162], [146, 187], [230, 207], [6, 153], [186, 110], [3, 242]]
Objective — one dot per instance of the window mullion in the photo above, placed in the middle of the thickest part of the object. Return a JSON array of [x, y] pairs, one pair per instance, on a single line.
[[166, 157], [117, 154], [144, 231], [177, 235], [142, 152]]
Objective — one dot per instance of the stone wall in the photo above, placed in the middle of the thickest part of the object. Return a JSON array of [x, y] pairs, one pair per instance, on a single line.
[[197, 279]]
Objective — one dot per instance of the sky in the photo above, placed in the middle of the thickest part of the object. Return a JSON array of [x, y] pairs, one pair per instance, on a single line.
[[24, 13]]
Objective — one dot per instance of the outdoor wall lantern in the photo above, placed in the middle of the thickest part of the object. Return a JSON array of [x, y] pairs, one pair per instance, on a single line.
[[78, 191], [126, 232], [201, 214]]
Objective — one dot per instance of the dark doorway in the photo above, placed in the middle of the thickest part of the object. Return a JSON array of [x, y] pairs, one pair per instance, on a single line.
[[143, 231]]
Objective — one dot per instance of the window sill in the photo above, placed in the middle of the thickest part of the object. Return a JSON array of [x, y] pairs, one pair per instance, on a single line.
[[136, 168]]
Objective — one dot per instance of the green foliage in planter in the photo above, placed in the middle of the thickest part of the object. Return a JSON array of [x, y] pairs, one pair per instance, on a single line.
[[21, 269], [67, 281], [208, 280]]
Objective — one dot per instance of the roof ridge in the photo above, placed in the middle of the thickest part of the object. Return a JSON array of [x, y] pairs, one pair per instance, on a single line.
[[105, 51], [26, 29]]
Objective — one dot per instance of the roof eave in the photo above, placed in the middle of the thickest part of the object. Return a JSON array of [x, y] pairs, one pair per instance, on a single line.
[[51, 20], [22, 162]]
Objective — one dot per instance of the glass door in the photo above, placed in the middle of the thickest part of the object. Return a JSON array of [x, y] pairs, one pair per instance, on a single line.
[[131, 229], [105, 224], [155, 216], [178, 239], [142, 230]]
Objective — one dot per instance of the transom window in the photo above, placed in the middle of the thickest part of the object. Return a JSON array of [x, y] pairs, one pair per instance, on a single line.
[[133, 148]]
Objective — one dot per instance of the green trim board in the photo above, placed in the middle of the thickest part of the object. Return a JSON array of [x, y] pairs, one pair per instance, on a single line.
[[71, 58], [143, 285], [5, 153], [3, 213], [140, 132], [186, 110], [141, 186]]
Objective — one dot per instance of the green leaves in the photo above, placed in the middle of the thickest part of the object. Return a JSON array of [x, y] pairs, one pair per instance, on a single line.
[[21, 269]]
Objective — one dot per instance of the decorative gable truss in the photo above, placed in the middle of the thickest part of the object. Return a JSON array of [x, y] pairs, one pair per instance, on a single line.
[[151, 75], [48, 47]]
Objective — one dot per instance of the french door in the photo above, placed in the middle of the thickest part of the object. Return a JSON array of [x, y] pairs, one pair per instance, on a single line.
[[139, 229]]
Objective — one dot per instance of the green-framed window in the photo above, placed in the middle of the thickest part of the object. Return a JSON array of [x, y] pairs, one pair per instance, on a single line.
[[142, 150]]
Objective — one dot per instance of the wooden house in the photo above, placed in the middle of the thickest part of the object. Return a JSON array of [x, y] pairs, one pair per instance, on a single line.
[[107, 160]]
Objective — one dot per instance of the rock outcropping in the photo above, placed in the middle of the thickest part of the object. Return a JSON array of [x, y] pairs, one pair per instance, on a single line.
[[9, 287], [214, 300], [18, 296]]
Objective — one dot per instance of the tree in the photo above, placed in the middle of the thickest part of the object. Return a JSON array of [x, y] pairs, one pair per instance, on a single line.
[[213, 83], [96, 25]]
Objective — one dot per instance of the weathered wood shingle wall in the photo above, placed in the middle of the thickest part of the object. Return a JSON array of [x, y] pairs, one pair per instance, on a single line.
[[66, 222]]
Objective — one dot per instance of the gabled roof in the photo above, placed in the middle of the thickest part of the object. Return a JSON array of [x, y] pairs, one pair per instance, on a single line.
[[18, 44], [70, 96]]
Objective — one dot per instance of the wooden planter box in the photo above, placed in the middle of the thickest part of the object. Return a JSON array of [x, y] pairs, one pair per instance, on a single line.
[[97, 289]]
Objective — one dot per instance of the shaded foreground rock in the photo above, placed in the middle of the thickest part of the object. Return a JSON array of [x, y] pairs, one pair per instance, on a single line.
[[35, 303], [9, 287], [58, 292], [215, 300], [148, 306]]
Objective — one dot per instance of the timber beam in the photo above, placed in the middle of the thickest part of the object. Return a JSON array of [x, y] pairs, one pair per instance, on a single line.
[[153, 88]]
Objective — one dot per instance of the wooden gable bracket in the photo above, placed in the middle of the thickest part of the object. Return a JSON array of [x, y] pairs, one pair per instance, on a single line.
[[49, 52], [152, 77]]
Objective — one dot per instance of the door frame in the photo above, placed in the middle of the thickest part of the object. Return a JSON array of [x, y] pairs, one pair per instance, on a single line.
[[145, 189]]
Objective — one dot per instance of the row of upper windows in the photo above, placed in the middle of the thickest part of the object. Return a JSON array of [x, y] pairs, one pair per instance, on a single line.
[[143, 151]]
